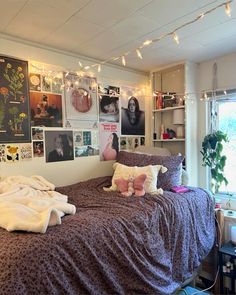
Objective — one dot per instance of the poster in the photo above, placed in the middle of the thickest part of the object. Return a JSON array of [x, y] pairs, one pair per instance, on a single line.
[[46, 109], [109, 141], [14, 101], [80, 100], [59, 146], [108, 108], [12, 153], [35, 82], [132, 113], [86, 143]]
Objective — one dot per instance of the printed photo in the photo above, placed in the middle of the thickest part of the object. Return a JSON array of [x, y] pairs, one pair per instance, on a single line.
[[123, 142], [109, 141], [59, 146], [37, 133], [57, 85], [109, 90], [108, 108], [132, 115], [2, 153], [46, 84], [87, 140], [12, 153], [81, 151], [38, 149], [35, 82], [26, 151], [78, 138], [46, 109]]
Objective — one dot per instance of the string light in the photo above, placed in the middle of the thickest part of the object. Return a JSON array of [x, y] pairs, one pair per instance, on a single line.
[[228, 9], [225, 92], [99, 68], [123, 60], [139, 54], [147, 42], [176, 38], [172, 33]]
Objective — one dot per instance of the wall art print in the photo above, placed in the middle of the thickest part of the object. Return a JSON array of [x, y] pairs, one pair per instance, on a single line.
[[132, 112], [46, 109], [109, 141], [81, 99], [14, 101]]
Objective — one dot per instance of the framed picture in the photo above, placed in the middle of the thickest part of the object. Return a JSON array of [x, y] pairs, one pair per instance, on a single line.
[[14, 101]]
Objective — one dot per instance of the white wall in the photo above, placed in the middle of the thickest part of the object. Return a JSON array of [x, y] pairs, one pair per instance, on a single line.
[[68, 172], [226, 79]]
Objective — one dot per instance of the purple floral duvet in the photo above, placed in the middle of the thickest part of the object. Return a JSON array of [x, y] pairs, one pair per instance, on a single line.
[[112, 245]]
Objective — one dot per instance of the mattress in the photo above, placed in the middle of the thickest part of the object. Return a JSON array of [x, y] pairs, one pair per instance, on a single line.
[[112, 245]]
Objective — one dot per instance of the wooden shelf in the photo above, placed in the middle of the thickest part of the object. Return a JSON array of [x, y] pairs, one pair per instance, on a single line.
[[168, 109], [169, 140]]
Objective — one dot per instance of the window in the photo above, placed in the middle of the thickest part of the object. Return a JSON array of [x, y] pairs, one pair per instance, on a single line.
[[226, 119]]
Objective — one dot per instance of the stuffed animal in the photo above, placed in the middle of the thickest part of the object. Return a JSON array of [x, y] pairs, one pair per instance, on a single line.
[[132, 185]]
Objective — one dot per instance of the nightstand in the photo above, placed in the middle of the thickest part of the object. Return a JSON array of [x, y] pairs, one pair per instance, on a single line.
[[227, 253]]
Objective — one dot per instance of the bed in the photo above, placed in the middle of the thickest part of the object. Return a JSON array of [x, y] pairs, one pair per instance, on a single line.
[[112, 245]]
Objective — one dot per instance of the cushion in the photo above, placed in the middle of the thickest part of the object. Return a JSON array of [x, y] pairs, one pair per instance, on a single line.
[[123, 171], [173, 164]]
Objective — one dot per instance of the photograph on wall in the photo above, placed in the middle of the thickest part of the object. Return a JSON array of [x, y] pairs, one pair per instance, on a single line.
[[14, 101], [87, 139], [2, 153], [46, 109], [59, 145], [86, 151], [57, 83], [142, 140], [108, 89], [78, 138], [109, 141], [108, 108], [34, 82], [37, 133], [80, 100], [95, 139], [123, 143], [12, 153], [25, 151], [132, 113], [38, 149], [46, 84]]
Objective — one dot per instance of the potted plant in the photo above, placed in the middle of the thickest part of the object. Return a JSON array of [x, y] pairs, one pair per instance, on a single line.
[[212, 149]]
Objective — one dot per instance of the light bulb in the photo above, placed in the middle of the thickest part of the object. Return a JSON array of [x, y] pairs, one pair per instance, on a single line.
[[80, 64], [139, 54], [228, 9], [123, 60], [99, 68], [176, 38], [147, 42], [87, 67]]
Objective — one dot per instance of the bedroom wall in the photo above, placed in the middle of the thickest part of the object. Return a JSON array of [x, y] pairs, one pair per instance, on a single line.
[[226, 73], [68, 172]]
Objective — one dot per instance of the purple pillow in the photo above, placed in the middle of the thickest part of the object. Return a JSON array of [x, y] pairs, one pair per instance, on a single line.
[[165, 180]]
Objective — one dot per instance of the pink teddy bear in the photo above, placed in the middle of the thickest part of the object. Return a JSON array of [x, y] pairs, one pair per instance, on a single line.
[[132, 185]]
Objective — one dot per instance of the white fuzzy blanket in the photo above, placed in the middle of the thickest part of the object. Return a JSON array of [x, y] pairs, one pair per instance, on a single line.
[[31, 204]]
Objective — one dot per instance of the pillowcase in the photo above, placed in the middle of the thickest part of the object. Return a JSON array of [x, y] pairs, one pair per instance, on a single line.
[[173, 164], [123, 171]]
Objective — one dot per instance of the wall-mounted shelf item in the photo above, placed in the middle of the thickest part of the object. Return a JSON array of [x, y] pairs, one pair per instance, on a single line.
[[175, 108]]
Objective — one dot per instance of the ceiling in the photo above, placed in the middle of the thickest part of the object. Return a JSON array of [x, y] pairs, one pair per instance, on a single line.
[[102, 29]]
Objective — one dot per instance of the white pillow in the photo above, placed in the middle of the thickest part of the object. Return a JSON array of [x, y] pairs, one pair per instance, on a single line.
[[123, 171]]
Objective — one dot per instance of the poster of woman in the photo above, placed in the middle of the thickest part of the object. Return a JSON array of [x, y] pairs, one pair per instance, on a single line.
[[108, 108], [109, 141], [132, 115]]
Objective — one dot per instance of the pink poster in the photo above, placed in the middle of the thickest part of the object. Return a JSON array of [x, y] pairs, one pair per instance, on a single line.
[[109, 141]]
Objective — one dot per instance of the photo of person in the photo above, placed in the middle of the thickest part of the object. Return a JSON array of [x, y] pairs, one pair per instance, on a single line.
[[59, 146], [46, 109], [38, 150], [132, 117], [109, 108], [109, 141]]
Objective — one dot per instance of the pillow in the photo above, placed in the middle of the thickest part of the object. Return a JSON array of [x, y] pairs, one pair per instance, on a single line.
[[173, 164], [123, 171]]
